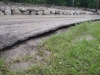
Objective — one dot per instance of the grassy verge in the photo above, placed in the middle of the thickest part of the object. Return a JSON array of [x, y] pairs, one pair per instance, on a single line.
[[76, 52]]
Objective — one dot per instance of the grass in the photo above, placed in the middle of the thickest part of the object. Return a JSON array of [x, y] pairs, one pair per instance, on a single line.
[[76, 52]]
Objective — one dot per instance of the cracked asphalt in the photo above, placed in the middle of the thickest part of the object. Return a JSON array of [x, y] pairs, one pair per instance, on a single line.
[[14, 29]]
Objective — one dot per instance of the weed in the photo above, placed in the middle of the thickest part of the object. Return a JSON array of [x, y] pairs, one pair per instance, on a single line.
[[72, 53]]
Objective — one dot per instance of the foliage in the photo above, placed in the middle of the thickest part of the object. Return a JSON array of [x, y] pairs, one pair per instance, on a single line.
[[78, 3], [3, 68], [76, 52]]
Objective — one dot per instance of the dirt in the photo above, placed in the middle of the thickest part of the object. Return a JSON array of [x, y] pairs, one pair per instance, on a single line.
[[27, 48], [20, 53]]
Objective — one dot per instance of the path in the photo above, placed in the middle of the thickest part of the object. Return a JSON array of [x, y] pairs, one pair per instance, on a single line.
[[14, 29]]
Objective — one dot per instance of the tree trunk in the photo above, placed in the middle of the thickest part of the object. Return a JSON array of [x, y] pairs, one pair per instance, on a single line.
[[97, 5], [73, 3]]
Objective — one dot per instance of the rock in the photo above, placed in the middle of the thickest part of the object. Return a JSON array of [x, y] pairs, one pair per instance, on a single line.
[[1, 3], [39, 13], [12, 9], [86, 13], [43, 8], [52, 11], [33, 13], [22, 9], [69, 12], [1, 13], [75, 13], [7, 10], [26, 13], [89, 13], [82, 13], [17, 12], [96, 13], [64, 12], [30, 9], [37, 9], [61, 12], [57, 11], [47, 12], [1, 8]]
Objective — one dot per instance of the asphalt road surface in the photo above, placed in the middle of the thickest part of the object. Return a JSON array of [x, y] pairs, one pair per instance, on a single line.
[[14, 29]]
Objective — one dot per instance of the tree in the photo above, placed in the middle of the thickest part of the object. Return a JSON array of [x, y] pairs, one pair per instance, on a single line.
[[97, 5], [73, 3], [77, 3]]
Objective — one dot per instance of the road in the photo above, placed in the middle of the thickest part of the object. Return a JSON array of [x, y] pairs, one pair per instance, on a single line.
[[14, 29]]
